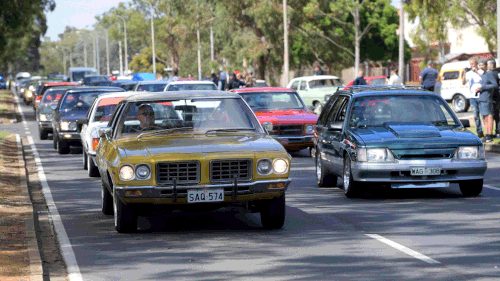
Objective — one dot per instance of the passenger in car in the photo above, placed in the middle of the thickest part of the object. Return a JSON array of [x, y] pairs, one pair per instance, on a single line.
[[146, 116]]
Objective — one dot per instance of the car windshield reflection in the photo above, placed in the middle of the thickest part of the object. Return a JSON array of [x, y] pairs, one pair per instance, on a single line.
[[261, 101]]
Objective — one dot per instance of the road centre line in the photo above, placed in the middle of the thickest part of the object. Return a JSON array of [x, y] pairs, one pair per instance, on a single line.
[[491, 187], [65, 245], [403, 249]]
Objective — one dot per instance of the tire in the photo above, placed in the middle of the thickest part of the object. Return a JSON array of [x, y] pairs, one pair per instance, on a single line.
[[459, 103], [272, 214], [92, 168], [352, 188], [62, 147], [54, 140], [125, 218], [471, 187], [43, 134], [106, 200], [323, 176], [318, 107], [84, 160]]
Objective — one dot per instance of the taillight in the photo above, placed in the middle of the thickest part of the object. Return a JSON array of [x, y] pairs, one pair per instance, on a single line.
[[95, 143]]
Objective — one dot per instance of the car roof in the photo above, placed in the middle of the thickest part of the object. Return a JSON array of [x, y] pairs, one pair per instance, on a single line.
[[60, 84], [153, 96], [263, 89], [152, 82], [191, 82], [95, 89], [384, 91], [316, 77], [115, 95], [57, 89]]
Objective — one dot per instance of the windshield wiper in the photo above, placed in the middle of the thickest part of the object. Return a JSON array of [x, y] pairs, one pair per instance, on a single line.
[[228, 130], [157, 132]]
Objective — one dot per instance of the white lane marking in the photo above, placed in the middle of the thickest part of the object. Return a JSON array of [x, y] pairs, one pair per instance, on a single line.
[[403, 249], [67, 251], [491, 187]]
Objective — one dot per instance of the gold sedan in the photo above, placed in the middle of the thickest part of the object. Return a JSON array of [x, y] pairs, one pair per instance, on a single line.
[[193, 150]]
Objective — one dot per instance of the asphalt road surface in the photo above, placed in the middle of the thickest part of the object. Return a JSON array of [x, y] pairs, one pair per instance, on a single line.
[[417, 234]]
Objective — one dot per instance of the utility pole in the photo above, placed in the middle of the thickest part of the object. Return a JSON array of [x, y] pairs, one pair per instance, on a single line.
[[107, 55], [98, 58], [198, 37], [85, 54], [153, 37], [498, 31], [285, 25], [70, 58], [120, 56], [64, 58], [94, 51], [125, 40], [401, 42]]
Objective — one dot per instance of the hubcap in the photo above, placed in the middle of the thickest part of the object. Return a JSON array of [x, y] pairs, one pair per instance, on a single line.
[[318, 168], [459, 104], [102, 197], [347, 175]]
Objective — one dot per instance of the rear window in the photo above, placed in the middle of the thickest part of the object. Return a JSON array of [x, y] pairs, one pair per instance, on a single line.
[[52, 96], [324, 83], [105, 109], [190, 87], [151, 87], [78, 101]]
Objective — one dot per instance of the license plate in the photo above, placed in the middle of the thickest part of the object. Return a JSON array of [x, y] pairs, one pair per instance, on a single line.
[[206, 195], [425, 171]]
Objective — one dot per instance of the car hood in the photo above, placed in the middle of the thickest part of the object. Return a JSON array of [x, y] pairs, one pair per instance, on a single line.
[[415, 136], [72, 115], [290, 116], [166, 147]]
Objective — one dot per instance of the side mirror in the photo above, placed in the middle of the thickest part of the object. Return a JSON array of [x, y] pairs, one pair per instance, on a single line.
[[268, 126], [465, 123], [335, 126], [53, 106], [105, 132]]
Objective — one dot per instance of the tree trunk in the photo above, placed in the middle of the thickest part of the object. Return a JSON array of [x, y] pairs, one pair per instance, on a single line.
[[357, 40]]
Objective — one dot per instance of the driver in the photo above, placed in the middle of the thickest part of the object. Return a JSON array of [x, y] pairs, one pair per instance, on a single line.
[[146, 116]]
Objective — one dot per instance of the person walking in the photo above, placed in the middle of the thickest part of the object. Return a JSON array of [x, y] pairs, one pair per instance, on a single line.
[[176, 75], [428, 77], [250, 80], [394, 79], [234, 82], [360, 80], [215, 79], [488, 84], [496, 104], [472, 78]]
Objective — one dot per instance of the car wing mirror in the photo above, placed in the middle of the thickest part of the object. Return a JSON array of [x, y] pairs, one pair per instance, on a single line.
[[268, 127], [105, 132], [54, 106], [335, 126], [465, 123]]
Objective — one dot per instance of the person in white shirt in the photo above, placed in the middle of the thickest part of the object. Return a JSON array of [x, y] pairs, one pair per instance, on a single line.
[[472, 77], [394, 79]]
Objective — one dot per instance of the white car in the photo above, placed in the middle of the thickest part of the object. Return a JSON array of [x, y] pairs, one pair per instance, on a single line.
[[315, 90], [97, 116], [189, 85]]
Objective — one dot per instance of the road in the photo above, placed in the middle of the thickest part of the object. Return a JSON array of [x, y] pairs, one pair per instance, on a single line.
[[420, 234]]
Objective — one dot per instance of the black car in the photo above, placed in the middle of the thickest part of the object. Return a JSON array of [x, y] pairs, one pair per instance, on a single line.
[[397, 138], [127, 85], [73, 104], [88, 80]]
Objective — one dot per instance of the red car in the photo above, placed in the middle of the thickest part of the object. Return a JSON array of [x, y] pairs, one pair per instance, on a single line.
[[283, 113], [371, 80]]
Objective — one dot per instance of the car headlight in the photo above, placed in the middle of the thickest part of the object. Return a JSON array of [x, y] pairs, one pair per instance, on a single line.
[[280, 166], [29, 94], [374, 155], [126, 173], [142, 172], [43, 117], [309, 129], [22, 90], [68, 126], [31, 88], [264, 167], [469, 153]]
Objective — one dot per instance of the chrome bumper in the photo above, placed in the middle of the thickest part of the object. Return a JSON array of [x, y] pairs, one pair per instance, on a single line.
[[399, 172], [242, 189], [70, 136]]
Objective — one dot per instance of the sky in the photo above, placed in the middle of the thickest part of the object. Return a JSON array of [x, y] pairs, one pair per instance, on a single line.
[[81, 14]]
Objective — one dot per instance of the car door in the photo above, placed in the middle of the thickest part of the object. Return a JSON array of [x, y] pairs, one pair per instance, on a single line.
[[337, 137], [89, 117], [327, 136]]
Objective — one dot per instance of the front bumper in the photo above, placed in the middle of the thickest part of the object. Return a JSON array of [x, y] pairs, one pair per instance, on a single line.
[[399, 172], [73, 138], [245, 191], [295, 142], [45, 125]]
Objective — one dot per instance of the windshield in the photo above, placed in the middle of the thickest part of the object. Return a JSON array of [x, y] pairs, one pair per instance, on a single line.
[[78, 101], [197, 116], [105, 109], [259, 101], [92, 79], [377, 81], [151, 87], [79, 75], [411, 110], [190, 87], [52, 96], [324, 83]]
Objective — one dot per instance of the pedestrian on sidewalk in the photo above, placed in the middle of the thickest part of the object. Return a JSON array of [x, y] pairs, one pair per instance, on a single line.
[[394, 79], [360, 80], [222, 80], [428, 77], [488, 84], [496, 104], [472, 78]]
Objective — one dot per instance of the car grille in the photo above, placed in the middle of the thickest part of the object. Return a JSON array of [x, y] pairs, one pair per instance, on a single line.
[[287, 130], [424, 156], [183, 172], [226, 170]]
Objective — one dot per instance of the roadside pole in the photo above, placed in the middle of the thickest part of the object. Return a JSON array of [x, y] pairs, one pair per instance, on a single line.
[[285, 27], [401, 42], [498, 30]]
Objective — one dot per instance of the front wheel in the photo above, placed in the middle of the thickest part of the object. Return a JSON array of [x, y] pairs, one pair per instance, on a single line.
[[272, 214], [91, 167], [460, 103], [54, 140], [62, 147], [471, 187], [43, 134], [323, 176], [84, 160], [125, 218], [352, 188], [106, 200]]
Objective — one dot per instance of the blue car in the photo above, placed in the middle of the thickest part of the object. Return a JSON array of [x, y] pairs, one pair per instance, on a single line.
[[398, 137]]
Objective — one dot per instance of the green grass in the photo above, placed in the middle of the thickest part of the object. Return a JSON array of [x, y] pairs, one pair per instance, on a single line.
[[4, 94], [3, 135], [3, 107]]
